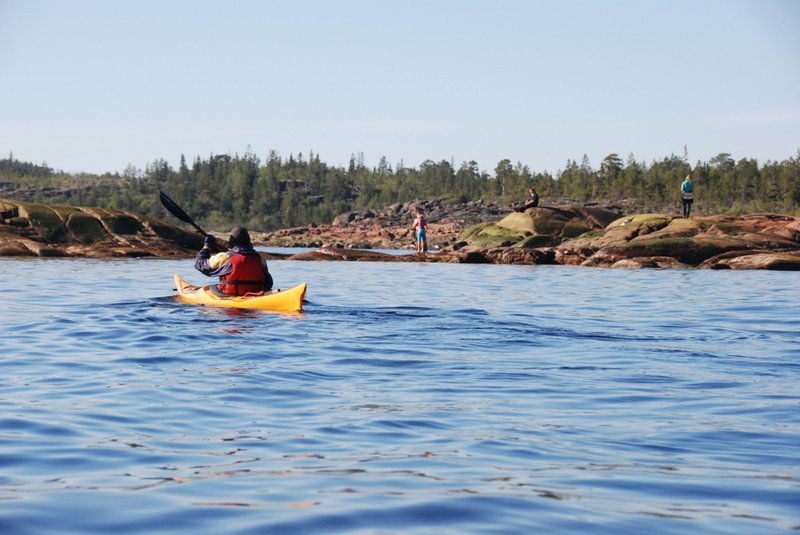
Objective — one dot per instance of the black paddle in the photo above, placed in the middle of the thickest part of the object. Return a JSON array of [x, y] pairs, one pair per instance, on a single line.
[[178, 212]]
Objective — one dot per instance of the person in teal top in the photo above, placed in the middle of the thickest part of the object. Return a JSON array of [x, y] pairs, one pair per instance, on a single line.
[[687, 195]]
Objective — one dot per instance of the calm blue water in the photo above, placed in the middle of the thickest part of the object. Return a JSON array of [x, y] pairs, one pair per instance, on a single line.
[[410, 398]]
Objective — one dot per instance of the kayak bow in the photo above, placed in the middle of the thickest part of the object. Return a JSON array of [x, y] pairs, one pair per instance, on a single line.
[[290, 300]]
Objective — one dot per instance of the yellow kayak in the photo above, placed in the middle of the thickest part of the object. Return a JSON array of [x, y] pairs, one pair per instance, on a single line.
[[290, 300]]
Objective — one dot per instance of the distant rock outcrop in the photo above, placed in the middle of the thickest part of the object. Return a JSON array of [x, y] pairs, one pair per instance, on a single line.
[[603, 237], [30, 229], [756, 241], [537, 227]]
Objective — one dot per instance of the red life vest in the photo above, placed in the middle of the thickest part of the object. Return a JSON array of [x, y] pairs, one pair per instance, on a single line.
[[247, 275]]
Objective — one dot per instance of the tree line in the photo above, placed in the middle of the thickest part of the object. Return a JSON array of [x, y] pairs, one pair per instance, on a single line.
[[223, 190]]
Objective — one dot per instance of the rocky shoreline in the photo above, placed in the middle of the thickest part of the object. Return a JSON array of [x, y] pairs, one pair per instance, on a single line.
[[562, 233], [38, 230]]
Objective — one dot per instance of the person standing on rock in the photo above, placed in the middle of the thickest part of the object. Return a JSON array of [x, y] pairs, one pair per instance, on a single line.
[[421, 229], [687, 195]]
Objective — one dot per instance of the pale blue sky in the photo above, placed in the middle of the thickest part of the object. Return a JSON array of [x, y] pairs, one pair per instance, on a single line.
[[96, 85]]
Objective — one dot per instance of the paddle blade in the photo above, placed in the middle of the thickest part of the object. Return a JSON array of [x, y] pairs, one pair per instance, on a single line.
[[173, 208]]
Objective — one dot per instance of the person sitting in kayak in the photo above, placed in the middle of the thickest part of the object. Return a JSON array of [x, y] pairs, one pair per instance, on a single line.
[[241, 270]]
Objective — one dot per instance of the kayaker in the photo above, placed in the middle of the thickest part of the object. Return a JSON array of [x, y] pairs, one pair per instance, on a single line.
[[241, 270], [687, 195]]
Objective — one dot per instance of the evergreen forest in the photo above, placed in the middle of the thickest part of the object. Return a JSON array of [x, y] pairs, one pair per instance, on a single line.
[[223, 190]]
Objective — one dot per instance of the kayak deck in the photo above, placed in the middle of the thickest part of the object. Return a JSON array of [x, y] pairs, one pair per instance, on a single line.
[[290, 300]]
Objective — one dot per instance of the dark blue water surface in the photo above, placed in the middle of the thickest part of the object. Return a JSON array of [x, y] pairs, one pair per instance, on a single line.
[[407, 398]]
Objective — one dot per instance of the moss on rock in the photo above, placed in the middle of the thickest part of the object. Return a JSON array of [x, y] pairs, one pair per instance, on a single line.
[[575, 227], [537, 240], [45, 221], [121, 223], [472, 231], [85, 228], [517, 223]]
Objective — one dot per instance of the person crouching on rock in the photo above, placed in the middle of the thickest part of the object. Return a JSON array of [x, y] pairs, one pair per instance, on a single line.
[[241, 270]]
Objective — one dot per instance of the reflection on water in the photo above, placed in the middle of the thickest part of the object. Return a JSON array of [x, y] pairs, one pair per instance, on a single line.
[[408, 398]]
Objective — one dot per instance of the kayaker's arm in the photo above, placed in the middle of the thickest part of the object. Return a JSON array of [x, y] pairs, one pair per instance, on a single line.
[[214, 266]]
